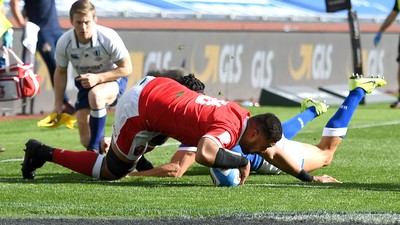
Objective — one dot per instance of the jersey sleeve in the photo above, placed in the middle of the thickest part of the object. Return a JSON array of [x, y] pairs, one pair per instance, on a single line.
[[61, 50], [117, 49], [222, 137]]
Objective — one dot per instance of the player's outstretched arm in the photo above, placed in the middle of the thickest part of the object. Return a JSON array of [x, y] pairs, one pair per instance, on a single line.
[[180, 163], [325, 179], [285, 162]]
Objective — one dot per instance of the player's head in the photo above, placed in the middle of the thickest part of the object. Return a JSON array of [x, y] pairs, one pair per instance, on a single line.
[[262, 132], [82, 16]]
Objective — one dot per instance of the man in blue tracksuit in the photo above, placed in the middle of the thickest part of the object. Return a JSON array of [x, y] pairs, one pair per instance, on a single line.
[[43, 13]]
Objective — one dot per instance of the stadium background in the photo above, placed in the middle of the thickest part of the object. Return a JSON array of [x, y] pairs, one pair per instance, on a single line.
[[237, 47]]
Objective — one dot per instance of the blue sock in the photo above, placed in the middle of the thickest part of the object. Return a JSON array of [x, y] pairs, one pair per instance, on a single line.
[[343, 115], [292, 126], [97, 122]]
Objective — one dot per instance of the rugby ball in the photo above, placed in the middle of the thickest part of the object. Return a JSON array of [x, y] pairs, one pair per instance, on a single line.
[[225, 177]]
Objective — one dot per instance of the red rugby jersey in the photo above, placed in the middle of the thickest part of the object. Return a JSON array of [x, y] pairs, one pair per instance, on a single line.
[[172, 109]]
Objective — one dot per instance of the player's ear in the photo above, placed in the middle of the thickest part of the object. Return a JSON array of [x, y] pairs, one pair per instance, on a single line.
[[252, 132], [95, 19]]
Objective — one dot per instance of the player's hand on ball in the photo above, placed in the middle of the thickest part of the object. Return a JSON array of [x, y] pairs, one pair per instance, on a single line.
[[244, 172], [325, 179]]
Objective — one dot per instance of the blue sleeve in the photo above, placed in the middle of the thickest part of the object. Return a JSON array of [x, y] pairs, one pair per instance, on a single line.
[[255, 159]]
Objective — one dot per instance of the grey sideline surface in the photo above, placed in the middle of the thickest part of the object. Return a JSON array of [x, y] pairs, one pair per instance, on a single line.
[[270, 219]]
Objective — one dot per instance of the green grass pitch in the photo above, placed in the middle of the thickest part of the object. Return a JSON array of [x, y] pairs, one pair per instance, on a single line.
[[367, 162]]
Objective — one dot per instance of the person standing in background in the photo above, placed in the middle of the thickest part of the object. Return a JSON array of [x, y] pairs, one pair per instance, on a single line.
[[6, 33], [388, 21], [103, 64], [43, 13]]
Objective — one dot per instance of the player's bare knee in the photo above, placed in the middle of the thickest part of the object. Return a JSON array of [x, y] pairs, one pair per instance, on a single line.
[[328, 160]]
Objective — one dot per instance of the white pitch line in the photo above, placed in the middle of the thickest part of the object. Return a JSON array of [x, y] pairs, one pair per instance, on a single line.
[[324, 187], [368, 125], [10, 160], [386, 123]]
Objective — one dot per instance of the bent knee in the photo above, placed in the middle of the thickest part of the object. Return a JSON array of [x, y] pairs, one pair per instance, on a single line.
[[328, 161], [116, 168]]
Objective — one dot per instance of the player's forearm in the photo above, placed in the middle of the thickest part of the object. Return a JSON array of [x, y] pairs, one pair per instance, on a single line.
[[60, 84], [113, 74], [167, 170], [123, 69]]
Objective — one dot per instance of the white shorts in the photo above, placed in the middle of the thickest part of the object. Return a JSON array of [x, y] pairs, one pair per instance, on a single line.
[[292, 148], [131, 141]]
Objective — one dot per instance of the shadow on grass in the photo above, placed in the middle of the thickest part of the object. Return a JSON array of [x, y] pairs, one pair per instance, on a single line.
[[73, 177]]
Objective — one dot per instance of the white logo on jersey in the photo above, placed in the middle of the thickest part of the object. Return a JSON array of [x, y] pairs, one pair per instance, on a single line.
[[207, 100]]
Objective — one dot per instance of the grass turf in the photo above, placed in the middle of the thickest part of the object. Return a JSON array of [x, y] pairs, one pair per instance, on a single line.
[[367, 162]]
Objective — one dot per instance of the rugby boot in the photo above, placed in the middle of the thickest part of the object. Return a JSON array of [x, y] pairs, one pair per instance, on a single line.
[[320, 107], [366, 83], [36, 154]]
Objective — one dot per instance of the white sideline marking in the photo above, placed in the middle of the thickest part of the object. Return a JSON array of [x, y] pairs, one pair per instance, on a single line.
[[387, 123], [380, 124], [325, 187], [11, 160]]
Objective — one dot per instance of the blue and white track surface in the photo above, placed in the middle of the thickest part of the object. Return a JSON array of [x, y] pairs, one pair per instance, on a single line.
[[231, 9]]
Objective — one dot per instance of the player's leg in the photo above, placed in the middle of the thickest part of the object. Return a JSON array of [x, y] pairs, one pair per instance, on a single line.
[[310, 109], [37, 154], [113, 165], [315, 157], [336, 128], [83, 113], [82, 118], [100, 97]]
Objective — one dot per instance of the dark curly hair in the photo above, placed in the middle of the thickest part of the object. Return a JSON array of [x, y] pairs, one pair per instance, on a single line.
[[270, 125], [190, 81]]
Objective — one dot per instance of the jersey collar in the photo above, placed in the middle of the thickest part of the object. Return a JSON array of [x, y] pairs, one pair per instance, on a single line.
[[243, 129]]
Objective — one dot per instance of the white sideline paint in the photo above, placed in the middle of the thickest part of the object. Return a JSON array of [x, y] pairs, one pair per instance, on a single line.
[[370, 125], [324, 187]]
